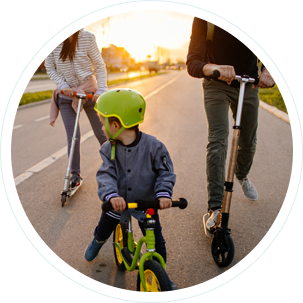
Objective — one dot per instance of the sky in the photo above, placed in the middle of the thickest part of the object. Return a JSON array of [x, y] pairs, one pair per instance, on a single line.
[[142, 32]]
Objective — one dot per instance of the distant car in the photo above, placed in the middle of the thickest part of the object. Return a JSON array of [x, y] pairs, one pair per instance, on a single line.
[[153, 66]]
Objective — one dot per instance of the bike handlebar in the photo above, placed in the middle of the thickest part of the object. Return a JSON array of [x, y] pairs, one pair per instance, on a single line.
[[144, 205], [79, 95]]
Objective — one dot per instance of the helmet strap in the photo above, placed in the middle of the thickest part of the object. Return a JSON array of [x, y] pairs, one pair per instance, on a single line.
[[112, 137]]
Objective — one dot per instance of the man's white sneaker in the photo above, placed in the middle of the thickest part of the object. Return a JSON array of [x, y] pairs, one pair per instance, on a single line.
[[248, 189], [210, 223]]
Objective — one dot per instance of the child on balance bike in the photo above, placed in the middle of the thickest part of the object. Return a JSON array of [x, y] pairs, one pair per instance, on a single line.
[[135, 166]]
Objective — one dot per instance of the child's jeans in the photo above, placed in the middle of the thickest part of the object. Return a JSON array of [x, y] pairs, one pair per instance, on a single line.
[[108, 224]]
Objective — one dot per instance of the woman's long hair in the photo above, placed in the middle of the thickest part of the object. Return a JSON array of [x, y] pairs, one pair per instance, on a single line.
[[69, 48]]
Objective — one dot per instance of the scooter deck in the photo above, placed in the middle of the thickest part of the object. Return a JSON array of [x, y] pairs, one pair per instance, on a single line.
[[73, 191], [207, 233]]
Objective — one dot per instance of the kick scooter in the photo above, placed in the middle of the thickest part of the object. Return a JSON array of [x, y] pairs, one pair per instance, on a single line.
[[222, 246], [67, 192], [151, 276]]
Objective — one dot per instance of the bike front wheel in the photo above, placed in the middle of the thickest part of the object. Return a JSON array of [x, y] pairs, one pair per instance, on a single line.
[[156, 279]]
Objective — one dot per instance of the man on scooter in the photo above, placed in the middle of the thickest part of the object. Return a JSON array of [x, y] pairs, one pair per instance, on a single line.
[[223, 52]]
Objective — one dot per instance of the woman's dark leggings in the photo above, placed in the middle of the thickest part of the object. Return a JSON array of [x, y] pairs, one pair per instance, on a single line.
[[69, 118]]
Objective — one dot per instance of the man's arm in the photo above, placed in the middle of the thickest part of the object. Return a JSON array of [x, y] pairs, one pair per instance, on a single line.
[[267, 39], [266, 80], [198, 68], [196, 49]]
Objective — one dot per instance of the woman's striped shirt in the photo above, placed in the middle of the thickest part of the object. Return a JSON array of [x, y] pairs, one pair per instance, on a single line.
[[87, 61]]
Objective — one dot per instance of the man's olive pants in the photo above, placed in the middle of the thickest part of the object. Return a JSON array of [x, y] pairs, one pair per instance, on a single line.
[[218, 98]]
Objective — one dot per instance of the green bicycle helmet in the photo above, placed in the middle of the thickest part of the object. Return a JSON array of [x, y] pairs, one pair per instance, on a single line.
[[125, 104]]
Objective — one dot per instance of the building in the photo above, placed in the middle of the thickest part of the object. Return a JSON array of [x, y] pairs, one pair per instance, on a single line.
[[39, 64], [117, 58], [20, 56]]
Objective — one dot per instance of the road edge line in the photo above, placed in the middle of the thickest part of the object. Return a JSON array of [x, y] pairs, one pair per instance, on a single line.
[[48, 161]]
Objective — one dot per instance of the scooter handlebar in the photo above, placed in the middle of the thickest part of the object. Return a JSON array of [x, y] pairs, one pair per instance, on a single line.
[[144, 205], [216, 74], [79, 95]]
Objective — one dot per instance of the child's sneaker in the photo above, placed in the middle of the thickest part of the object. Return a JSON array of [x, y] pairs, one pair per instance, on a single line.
[[248, 189], [93, 249], [75, 182], [173, 285], [210, 223]]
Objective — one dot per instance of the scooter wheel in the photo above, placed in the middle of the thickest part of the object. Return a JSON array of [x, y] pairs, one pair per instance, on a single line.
[[223, 249], [63, 199]]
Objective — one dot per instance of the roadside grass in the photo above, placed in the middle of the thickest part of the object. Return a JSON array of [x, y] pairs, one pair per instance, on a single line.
[[273, 97], [35, 97], [44, 95], [30, 79]]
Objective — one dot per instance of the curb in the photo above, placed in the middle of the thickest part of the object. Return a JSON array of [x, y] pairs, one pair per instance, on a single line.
[[273, 110], [34, 104]]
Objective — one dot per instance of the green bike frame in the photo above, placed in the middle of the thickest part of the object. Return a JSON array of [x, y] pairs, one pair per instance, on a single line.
[[149, 239]]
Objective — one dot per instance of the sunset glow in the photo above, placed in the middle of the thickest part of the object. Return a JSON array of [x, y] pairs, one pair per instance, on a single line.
[[142, 32]]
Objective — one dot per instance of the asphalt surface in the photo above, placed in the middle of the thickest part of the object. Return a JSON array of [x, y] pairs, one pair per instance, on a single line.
[[175, 115]]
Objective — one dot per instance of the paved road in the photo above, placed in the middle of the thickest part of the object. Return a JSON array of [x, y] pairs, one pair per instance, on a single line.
[[175, 115], [42, 85]]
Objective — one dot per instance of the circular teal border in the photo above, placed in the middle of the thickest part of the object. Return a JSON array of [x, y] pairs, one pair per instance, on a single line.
[[297, 190]]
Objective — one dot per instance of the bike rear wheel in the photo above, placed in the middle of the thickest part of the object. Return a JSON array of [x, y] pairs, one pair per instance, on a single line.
[[120, 236], [156, 279]]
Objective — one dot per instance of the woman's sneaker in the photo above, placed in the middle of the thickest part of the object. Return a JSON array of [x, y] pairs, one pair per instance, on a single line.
[[93, 249], [75, 182], [248, 189], [210, 223]]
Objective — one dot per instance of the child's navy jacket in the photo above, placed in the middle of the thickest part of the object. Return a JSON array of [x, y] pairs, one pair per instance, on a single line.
[[143, 171]]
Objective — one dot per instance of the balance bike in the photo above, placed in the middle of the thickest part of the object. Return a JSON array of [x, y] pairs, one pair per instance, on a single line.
[[152, 276]]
